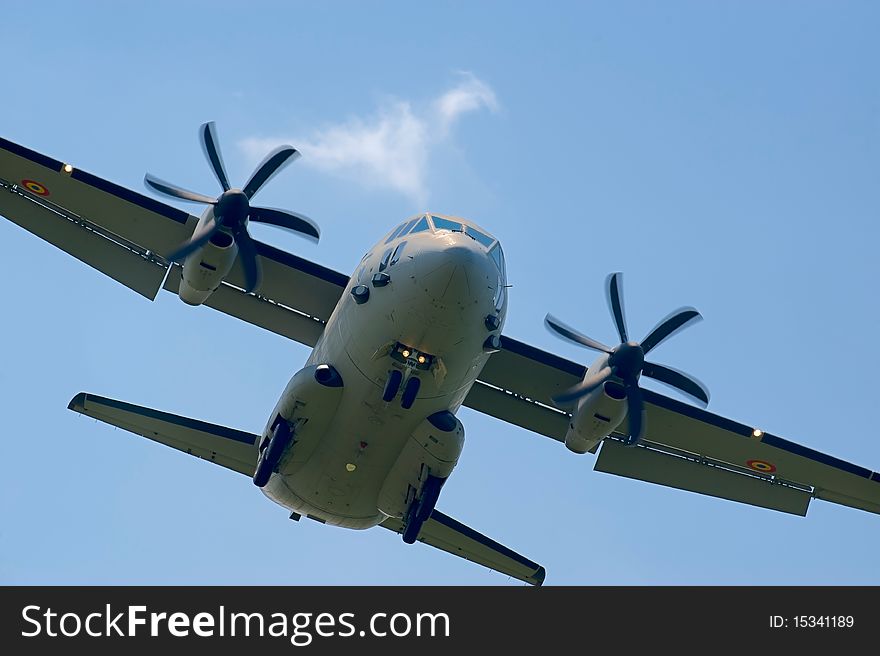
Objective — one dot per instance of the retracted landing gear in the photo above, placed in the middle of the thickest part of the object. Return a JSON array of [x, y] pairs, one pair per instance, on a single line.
[[420, 509], [392, 385], [271, 455], [410, 390]]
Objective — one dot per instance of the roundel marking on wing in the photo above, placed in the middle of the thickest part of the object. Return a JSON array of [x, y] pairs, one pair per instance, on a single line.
[[762, 466], [35, 187]]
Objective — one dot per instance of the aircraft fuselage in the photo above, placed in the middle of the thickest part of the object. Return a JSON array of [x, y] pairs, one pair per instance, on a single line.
[[357, 458]]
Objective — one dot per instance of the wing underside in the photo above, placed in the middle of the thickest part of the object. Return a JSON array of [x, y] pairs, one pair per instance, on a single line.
[[227, 447], [31, 187], [685, 447], [128, 237]]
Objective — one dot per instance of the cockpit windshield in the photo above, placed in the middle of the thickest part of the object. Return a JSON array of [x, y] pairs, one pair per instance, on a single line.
[[498, 255], [484, 239], [441, 223], [426, 222], [421, 226], [400, 230], [446, 224]]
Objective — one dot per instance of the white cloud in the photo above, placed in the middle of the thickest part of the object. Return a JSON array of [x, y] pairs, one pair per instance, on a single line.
[[471, 95], [390, 149]]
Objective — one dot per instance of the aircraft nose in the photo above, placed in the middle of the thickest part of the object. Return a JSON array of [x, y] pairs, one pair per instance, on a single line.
[[456, 273], [466, 255]]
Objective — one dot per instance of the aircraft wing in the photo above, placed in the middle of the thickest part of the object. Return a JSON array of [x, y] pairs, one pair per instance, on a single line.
[[128, 237], [684, 447], [227, 447], [443, 532]]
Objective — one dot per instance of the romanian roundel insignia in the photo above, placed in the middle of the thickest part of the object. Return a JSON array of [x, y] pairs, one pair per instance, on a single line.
[[762, 466], [35, 187]]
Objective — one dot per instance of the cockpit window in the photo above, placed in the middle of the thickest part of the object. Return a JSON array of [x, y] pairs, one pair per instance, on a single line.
[[401, 230], [395, 233], [501, 291], [445, 224], [485, 240], [383, 264], [421, 226], [395, 256], [498, 256], [500, 294], [406, 228]]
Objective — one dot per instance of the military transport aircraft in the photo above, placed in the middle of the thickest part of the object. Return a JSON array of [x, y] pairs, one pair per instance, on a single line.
[[365, 434]]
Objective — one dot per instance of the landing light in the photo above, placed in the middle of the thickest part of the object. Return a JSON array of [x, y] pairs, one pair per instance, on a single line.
[[757, 433], [67, 169], [350, 467], [411, 357]]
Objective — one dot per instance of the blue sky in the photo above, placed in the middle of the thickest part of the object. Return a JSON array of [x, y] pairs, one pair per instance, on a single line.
[[723, 155]]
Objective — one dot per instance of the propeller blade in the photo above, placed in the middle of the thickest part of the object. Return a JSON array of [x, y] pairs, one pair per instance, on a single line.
[[679, 380], [293, 221], [176, 192], [199, 239], [208, 133], [614, 294], [667, 327], [635, 413], [584, 387], [247, 251], [569, 333], [272, 164]]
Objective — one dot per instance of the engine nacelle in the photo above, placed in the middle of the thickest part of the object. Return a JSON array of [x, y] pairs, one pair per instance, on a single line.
[[204, 270], [433, 448], [597, 415]]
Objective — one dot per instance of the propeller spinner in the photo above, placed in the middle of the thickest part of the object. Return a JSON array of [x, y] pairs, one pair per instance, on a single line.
[[232, 209], [627, 360]]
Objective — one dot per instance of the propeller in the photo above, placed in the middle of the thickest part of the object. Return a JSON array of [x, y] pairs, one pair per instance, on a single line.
[[232, 209], [627, 360]]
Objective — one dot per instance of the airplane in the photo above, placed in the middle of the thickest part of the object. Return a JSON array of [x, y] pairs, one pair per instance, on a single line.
[[365, 434]]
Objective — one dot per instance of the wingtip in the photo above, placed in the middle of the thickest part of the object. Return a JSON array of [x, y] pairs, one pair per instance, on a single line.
[[538, 577], [78, 402]]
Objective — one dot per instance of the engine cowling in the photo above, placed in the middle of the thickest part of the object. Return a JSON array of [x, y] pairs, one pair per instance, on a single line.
[[204, 270], [597, 415]]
